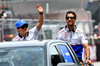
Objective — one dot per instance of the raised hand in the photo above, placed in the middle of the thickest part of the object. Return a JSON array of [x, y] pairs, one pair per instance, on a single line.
[[39, 8]]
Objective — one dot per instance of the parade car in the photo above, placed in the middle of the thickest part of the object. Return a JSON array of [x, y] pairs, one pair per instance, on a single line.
[[37, 53]]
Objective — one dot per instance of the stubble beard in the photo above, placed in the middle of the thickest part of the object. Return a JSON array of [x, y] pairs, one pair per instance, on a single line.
[[71, 24]]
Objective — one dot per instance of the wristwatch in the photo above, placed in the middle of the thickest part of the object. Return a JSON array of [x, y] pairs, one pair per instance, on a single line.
[[87, 58], [41, 13]]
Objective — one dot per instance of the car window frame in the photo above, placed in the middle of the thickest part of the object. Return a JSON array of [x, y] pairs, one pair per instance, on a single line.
[[53, 45], [73, 55], [68, 51]]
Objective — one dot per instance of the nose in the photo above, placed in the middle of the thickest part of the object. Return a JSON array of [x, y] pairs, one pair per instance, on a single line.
[[69, 18], [24, 27]]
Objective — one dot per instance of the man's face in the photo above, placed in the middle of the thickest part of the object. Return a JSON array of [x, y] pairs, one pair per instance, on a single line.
[[23, 29], [70, 19]]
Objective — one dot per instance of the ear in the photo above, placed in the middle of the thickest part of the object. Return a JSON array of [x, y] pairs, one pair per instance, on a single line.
[[75, 19], [18, 29]]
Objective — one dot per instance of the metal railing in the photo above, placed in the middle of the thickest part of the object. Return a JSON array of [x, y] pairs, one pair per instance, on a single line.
[[49, 28]]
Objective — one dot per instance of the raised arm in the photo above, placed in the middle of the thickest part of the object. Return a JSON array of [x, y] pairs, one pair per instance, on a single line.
[[41, 17]]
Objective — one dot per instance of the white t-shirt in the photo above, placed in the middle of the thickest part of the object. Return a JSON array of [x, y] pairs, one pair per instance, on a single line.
[[31, 36]]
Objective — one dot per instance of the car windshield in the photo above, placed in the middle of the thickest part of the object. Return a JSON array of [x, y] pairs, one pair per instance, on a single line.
[[23, 56]]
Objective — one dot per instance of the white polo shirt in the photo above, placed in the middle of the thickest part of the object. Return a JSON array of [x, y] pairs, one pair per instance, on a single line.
[[31, 36], [75, 39]]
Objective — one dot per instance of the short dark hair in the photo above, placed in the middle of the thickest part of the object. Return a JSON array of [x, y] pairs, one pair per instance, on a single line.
[[71, 13]]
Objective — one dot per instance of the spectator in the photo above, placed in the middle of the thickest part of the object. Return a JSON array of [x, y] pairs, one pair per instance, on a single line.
[[95, 30], [89, 3]]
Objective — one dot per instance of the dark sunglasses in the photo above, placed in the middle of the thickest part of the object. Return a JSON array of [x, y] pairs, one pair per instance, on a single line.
[[24, 26], [70, 17]]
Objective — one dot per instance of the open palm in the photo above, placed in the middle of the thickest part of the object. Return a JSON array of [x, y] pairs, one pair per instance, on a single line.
[[39, 8]]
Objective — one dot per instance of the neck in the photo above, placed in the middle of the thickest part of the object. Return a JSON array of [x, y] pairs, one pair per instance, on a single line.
[[23, 34], [70, 27]]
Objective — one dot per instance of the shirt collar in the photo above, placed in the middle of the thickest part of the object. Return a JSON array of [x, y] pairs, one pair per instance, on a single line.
[[68, 29], [22, 36]]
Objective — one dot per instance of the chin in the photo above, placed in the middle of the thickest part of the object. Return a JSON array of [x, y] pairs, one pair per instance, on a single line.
[[70, 24], [26, 31]]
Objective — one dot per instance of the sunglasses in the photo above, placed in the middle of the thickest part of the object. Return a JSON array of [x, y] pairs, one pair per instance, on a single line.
[[24, 26], [70, 17]]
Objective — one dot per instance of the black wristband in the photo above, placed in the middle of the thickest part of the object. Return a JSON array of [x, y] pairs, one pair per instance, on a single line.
[[87, 58], [41, 13]]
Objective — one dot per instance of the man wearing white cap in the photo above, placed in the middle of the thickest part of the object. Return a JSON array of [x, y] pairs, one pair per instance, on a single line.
[[22, 28]]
